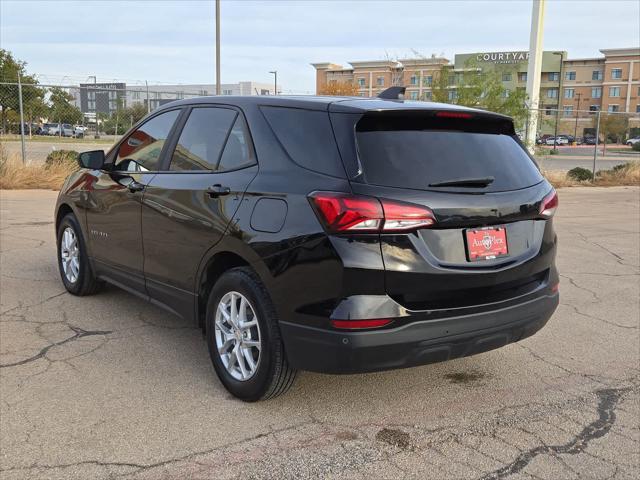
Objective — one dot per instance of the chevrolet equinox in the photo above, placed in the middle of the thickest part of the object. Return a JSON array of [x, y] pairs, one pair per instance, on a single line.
[[330, 234]]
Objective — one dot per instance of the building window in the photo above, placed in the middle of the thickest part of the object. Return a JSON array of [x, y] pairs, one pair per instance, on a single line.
[[569, 92], [616, 73], [203, 93], [505, 93], [548, 111], [91, 95], [361, 82], [567, 111], [413, 80], [596, 75], [380, 81], [593, 108], [570, 75], [554, 76], [136, 95], [637, 108], [613, 108], [428, 81], [227, 92], [453, 95], [451, 80], [552, 93], [614, 91], [506, 77], [362, 94], [414, 95], [427, 95], [596, 92], [522, 76], [91, 105]]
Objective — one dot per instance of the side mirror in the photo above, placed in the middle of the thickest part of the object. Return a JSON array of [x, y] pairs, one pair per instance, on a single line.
[[93, 159]]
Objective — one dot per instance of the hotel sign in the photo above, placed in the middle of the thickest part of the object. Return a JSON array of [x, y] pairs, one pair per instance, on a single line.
[[503, 57]]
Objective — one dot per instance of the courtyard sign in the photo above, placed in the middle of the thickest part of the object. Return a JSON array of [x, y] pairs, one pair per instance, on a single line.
[[503, 57]]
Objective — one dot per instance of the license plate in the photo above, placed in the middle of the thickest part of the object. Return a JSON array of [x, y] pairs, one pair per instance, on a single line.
[[486, 243]]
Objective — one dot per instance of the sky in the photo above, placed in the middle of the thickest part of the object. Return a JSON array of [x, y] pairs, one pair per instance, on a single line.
[[174, 41]]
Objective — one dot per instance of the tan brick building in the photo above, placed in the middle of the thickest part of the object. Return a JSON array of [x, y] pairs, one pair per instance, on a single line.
[[610, 82]]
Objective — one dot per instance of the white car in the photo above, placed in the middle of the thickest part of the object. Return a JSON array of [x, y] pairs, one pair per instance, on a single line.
[[632, 141], [559, 141]]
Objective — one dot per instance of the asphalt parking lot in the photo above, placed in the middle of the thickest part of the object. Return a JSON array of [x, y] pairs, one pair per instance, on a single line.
[[111, 387]]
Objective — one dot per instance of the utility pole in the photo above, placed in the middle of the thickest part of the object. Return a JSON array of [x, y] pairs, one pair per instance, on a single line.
[[534, 69], [595, 148], [24, 155], [148, 99], [275, 82], [575, 130], [217, 47], [555, 132]]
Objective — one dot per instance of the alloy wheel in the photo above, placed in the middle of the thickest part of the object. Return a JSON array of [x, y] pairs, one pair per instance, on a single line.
[[70, 255], [237, 335]]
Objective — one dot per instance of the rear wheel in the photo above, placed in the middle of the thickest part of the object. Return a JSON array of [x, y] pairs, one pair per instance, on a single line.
[[73, 262], [244, 339]]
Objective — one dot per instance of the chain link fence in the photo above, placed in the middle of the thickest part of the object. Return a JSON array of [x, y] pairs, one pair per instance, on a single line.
[[587, 138], [38, 119]]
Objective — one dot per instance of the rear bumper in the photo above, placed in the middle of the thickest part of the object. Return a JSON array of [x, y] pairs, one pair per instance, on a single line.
[[417, 343]]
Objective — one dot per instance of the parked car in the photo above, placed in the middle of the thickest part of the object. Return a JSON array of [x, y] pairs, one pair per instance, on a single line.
[[319, 233], [632, 141], [56, 129], [78, 131], [560, 140], [589, 140], [52, 128]]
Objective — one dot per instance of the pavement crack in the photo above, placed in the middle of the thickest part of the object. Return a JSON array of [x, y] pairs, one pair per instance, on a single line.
[[79, 333], [608, 401]]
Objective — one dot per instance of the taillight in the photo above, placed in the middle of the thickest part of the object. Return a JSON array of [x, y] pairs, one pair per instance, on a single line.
[[450, 114], [343, 212], [549, 204], [360, 324]]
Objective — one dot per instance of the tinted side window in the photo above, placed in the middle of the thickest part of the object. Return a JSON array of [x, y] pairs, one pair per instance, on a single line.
[[237, 151], [141, 150], [307, 137], [202, 139]]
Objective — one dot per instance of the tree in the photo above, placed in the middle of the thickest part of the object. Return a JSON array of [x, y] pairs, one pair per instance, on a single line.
[[480, 89], [613, 127], [61, 109], [32, 96], [348, 89]]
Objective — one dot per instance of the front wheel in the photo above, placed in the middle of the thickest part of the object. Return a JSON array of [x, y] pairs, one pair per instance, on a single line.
[[73, 262], [244, 339]]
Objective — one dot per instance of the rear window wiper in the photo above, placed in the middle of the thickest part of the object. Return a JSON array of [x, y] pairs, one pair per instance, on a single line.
[[465, 182]]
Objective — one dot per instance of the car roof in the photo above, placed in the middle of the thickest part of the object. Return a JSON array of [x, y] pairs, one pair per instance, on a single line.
[[328, 103]]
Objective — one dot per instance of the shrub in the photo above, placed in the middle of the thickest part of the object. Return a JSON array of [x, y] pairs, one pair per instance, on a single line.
[[553, 152], [580, 174], [61, 157], [636, 147]]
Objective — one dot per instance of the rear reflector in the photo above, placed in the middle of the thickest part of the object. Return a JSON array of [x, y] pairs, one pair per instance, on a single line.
[[549, 204], [360, 324], [343, 212], [447, 114], [555, 288]]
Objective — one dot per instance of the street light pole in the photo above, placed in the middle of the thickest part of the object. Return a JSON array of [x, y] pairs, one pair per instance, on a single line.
[[275, 82], [575, 130], [555, 133], [217, 47]]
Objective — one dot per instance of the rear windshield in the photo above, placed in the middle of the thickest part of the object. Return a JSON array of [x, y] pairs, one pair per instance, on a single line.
[[415, 155]]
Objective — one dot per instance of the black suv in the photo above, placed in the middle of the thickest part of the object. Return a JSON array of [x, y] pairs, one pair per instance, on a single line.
[[330, 234]]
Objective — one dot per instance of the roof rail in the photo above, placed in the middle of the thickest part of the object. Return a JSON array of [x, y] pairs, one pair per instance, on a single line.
[[392, 93]]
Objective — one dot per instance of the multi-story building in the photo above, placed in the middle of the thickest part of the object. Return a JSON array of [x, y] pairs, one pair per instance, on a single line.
[[571, 86], [107, 98]]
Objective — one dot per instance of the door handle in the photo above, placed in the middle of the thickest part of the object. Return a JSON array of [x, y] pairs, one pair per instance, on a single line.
[[218, 190]]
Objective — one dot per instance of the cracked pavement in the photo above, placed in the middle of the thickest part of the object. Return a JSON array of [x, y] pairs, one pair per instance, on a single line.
[[110, 387]]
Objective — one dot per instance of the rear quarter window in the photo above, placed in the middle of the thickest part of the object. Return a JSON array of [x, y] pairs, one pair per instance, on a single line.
[[307, 137]]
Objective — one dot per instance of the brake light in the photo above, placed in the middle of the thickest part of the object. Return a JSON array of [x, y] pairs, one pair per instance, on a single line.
[[342, 212], [360, 324], [448, 114], [549, 204]]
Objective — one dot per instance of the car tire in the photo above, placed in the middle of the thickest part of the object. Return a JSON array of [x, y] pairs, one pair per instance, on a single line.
[[73, 263], [271, 374]]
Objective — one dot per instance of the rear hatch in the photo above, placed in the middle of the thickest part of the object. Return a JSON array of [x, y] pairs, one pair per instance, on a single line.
[[489, 242]]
